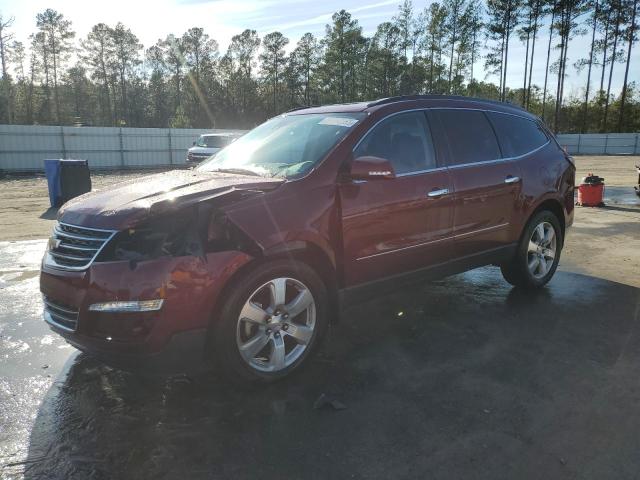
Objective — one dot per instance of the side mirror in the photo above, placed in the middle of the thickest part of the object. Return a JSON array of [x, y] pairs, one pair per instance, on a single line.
[[372, 168]]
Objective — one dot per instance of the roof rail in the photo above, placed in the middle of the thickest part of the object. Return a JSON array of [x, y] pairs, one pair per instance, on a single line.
[[404, 98], [301, 108]]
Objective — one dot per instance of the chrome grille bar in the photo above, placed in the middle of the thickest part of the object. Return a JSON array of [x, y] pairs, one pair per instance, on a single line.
[[60, 316], [72, 247]]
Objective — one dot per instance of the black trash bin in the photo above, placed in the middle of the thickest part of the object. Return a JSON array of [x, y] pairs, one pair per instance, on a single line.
[[75, 179], [67, 179]]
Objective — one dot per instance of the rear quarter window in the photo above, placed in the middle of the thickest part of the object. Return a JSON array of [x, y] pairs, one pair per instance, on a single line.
[[470, 135], [517, 135]]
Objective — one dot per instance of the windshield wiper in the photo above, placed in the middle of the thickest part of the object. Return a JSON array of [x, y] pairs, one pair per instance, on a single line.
[[241, 171]]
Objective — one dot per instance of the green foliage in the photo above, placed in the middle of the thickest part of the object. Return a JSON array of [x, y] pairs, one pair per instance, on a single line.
[[184, 80]]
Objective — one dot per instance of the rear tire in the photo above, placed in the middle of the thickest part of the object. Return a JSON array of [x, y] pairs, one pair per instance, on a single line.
[[538, 253], [272, 319]]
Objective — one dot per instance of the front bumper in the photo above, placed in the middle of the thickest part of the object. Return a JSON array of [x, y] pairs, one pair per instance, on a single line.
[[163, 339], [193, 159]]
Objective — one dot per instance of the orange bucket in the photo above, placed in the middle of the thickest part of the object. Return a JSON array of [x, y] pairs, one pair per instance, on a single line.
[[591, 191]]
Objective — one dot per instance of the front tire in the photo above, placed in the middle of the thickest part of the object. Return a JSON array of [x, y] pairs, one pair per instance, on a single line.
[[272, 319], [537, 254]]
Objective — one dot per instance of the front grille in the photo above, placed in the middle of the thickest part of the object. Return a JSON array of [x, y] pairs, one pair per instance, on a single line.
[[60, 315], [74, 248], [198, 156]]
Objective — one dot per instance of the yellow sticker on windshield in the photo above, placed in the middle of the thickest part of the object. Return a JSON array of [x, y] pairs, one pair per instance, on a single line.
[[338, 121]]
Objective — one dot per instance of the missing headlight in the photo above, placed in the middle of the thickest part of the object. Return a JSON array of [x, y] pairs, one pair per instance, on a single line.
[[166, 236], [192, 232]]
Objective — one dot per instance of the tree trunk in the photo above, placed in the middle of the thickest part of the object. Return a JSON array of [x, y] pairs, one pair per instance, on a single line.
[[586, 95], [605, 48], [565, 20], [47, 93], [54, 58], [32, 75], [506, 59], [105, 78], [431, 70], [623, 97], [546, 71], [533, 50], [473, 56], [453, 44], [5, 76], [123, 88], [526, 62], [501, 64], [616, 34], [275, 85]]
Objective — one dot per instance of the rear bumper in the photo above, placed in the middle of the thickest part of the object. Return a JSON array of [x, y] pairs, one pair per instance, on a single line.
[[168, 340]]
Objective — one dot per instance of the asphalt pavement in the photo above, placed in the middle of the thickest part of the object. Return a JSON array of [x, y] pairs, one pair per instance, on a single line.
[[459, 378]]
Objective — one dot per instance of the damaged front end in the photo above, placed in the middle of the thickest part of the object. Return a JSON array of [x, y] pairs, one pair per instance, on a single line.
[[194, 230]]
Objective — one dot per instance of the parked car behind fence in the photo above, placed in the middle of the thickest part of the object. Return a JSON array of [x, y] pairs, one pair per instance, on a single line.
[[208, 145]]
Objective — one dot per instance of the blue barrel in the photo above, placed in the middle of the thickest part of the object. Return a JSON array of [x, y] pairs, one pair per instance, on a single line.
[[52, 171]]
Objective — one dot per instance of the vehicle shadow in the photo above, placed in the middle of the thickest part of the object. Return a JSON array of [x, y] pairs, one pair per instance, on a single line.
[[49, 214], [463, 377]]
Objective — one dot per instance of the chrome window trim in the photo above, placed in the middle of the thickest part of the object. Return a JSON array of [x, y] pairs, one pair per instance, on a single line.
[[50, 261], [421, 172], [460, 165], [499, 160]]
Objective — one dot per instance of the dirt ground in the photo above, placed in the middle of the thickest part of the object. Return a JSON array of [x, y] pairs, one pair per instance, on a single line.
[[25, 213]]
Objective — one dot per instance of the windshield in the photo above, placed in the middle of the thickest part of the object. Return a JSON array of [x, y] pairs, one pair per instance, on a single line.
[[285, 146], [214, 141]]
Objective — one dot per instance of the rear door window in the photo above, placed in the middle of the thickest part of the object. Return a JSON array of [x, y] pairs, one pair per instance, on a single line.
[[404, 140], [471, 137], [517, 135]]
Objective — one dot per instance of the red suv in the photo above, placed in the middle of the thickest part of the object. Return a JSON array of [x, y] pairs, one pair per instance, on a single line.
[[248, 258]]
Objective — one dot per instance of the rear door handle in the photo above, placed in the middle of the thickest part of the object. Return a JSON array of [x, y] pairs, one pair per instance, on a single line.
[[511, 179], [438, 193]]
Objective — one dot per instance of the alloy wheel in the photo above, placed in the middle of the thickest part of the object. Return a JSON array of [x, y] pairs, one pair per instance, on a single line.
[[541, 252], [276, 324]]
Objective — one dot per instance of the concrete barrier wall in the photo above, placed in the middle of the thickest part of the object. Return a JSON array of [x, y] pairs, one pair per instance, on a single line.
[[24, 147]]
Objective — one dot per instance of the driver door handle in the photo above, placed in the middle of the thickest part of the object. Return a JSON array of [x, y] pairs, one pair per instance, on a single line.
[[438, 192], [511, 179]]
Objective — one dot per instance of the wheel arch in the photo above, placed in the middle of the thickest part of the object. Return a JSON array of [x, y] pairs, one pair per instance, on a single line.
[[554, 206], [301, 251], [315, 257]]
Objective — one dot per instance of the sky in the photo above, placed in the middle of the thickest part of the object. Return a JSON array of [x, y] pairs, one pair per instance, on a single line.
[[221, 19]]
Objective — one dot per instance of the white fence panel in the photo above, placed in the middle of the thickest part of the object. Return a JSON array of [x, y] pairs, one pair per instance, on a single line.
[[601, 144], [24, 147]]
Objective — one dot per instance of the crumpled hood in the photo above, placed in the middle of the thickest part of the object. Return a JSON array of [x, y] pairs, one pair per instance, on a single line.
[[125, 204]]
